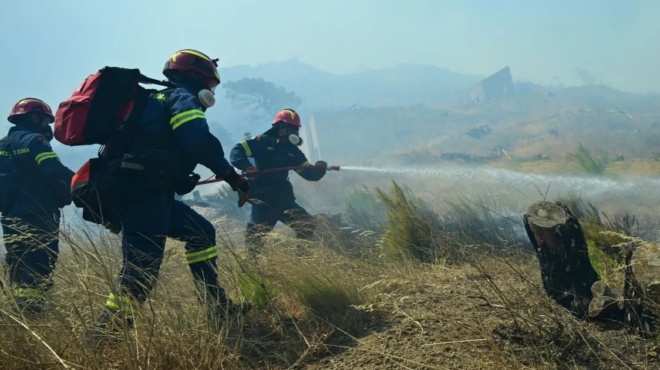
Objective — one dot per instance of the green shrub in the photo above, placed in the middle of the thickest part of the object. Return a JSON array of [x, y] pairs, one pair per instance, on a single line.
[[412, 229], [588, 162]]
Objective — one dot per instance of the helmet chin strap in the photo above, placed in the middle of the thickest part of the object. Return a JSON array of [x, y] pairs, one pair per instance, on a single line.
[[48, 132]]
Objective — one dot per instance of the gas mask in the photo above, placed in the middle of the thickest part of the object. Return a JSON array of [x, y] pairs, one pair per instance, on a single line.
[[295, 139], [292, 136], [288, 133], [206, 98], [206, 94]]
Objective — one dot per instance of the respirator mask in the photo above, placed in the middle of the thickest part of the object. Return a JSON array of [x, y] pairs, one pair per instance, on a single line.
[[207, 97], [295, 139], [293, 136]]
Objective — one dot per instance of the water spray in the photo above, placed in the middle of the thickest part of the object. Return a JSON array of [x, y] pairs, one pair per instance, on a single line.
[[480, 175]]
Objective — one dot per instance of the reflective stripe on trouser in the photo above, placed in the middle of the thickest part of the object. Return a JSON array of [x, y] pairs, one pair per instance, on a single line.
[[203, 268], [122, 303], [32, 293], [201, 256]]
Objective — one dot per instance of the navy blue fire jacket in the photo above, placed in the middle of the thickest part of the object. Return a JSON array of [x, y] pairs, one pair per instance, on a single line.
[[175, 120], [269, 153], [33, 180]]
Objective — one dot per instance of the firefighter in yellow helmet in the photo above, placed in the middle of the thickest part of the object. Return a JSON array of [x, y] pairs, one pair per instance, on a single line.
[[175, 135]]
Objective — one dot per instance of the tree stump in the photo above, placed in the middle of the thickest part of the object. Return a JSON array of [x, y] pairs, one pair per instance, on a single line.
[[606, 304], [563, 256], [642, 288]]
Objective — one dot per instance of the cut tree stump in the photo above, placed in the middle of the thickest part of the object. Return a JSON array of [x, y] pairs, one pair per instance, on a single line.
[[571, 281], [563, 256], [606, 304], [642, 287]]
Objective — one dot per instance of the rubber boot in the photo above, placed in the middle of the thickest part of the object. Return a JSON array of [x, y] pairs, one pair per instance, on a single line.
[[31, 308], [109, 328], [220, 313]]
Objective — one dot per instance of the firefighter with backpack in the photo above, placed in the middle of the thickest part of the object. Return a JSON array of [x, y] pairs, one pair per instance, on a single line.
[[145, 163], [272, 196], [35, 185]]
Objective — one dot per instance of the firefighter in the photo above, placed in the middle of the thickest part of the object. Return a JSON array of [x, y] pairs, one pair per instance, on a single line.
[[172, 137], [272, 195], [35, 186]]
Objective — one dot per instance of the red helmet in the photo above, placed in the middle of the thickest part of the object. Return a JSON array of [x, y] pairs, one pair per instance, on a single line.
[[30, 105], [289, 116], [188, 60]]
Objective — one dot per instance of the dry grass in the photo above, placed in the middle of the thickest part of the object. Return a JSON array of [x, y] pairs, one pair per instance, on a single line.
[[327, 308], [300, 302]]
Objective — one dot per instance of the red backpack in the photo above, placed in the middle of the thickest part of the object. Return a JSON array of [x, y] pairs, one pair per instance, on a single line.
[[104, 102]]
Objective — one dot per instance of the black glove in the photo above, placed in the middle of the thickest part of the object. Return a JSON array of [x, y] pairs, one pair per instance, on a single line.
[[243, 186], [320, 167], [239, 184], [187, 184], [243, 190]]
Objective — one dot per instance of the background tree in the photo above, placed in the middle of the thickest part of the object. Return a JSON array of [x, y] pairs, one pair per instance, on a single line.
[[260, 99], [226, 139]]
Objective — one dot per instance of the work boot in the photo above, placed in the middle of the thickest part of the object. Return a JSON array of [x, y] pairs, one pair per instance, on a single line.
[[31, 308], [97, 337], [218, 314], [109, 328]]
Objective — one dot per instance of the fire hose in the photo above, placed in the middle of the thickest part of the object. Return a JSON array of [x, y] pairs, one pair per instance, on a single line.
[[272, 170]]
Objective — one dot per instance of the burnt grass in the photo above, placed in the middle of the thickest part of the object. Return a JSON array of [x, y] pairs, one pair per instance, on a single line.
[[490, 314]]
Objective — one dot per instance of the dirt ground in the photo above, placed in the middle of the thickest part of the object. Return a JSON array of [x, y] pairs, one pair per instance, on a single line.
[[491, 316]]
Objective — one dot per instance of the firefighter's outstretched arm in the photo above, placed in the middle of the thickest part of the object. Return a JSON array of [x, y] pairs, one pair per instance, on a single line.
[[57, 175], [315, 172], [241, 152]]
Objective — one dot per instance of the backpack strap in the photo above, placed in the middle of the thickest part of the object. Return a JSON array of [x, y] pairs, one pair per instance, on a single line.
[[153, 81], [127, 130]]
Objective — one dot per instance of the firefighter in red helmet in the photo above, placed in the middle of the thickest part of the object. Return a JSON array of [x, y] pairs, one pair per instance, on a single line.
[[272, 195], [174, 135], [34, 186]]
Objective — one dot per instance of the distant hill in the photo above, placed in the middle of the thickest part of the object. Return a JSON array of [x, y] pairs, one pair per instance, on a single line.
[[538, 119], [402, 85]]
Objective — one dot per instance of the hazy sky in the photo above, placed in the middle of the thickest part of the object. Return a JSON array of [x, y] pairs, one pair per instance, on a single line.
[[49, 46]]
